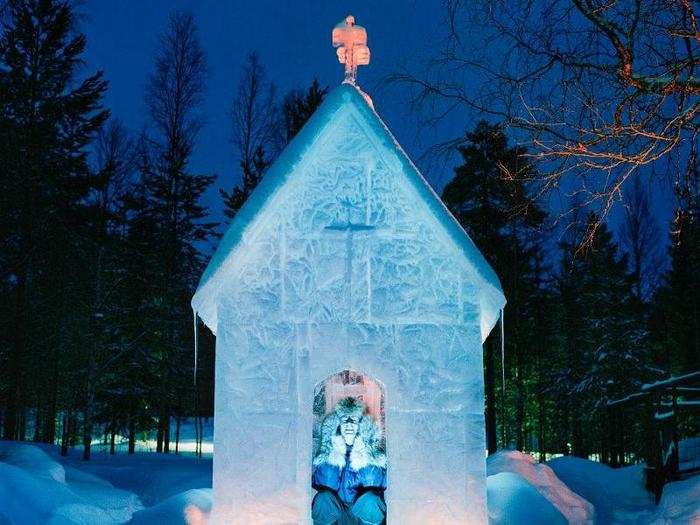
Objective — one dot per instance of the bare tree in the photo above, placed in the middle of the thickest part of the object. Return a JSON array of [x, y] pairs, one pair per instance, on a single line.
[[175, 90], [641, 239], [256, 130], [174, 97], [595, 88], [114, 164]]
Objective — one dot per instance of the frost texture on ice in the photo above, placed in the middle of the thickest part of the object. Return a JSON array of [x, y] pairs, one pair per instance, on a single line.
[[344, 259], [346, 142]]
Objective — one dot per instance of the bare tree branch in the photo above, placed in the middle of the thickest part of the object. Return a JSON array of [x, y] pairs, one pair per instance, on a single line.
[[594, 89]]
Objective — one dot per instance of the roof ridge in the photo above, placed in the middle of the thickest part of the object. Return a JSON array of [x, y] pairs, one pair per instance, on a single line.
[[277, 176]]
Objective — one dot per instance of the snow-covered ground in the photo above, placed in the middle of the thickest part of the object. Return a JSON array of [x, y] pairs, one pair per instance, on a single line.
[[37, 486], [619, 497], [37, 489], [570, 507]]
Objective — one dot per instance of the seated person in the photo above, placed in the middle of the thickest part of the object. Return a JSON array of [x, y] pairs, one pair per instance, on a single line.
[[349, 470]]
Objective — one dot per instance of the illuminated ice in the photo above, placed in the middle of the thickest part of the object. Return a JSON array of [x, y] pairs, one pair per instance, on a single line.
[[345, 259]]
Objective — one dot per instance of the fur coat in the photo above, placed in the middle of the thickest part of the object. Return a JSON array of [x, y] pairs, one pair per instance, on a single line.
[[349, 471]]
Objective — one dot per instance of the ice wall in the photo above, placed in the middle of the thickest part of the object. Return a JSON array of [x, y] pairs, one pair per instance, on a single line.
[[347, 268]]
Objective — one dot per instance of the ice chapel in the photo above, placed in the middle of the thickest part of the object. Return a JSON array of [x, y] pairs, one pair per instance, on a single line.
[[344, 274]]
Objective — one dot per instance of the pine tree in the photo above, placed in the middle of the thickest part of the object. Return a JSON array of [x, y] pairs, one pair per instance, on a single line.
[[489, 197], [103, 228], [174, 220], [298, 107], [606, 345], [256, 125], [141, 266], [48, 117], [678, 300]]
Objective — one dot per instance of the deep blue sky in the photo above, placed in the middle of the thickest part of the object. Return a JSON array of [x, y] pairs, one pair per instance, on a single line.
[[293, 41]]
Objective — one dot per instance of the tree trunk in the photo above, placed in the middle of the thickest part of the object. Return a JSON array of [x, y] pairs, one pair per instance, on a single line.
[[490, 388], [14, 362], [49, 434], [112, 438], [620, 440], [87, 437], [10, 420], [38, 422], [166, 432], [88, 418], [519, 407], [177, 433], [540, 428], [566, 434], [22, 424], [132, 435], [577, 448], [73, 430], [65, 434], [605, 439], [159, 435]]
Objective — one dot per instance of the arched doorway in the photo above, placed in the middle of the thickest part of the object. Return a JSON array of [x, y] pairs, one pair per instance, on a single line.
[[349, 449]]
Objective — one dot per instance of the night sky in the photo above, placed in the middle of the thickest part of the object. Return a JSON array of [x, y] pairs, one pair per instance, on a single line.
[[294, 43], [293, 39]]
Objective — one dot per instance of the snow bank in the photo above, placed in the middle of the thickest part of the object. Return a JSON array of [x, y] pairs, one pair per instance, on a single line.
[[680, 503], [32, 459], [513, 501], [618, 495], [153, 477], [188, 508], [29, 499], [573, 507], [36, 489], [37, 486]]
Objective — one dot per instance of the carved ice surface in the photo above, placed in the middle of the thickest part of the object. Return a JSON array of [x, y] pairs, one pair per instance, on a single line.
[[344, 259]]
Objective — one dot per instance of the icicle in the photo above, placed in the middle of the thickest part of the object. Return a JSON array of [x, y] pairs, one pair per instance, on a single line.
[[196, 346], [503, 356]]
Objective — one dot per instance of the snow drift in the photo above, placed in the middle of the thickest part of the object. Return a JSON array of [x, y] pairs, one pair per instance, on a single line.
[[152, 477], [187, 508], [513, 501], [37, 486], [680, 503], [36, 489], [619, 495], [573, 507]]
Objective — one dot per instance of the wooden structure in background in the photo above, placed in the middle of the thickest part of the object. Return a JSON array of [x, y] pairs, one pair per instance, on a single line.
[[669, 410]]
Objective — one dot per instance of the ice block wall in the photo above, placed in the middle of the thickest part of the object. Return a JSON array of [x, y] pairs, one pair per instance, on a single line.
[[348, 269]]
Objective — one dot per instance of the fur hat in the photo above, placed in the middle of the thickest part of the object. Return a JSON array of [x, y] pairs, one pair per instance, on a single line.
[[350, 407], [330, 447]]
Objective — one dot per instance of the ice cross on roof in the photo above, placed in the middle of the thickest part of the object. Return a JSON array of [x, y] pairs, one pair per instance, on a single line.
[[351, 41]]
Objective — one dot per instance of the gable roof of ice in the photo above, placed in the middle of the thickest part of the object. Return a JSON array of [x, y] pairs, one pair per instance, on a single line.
[[210, 285]]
